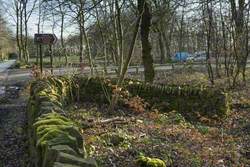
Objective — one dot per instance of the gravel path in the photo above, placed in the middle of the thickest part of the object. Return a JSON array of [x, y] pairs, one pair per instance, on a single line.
[[13, 139]]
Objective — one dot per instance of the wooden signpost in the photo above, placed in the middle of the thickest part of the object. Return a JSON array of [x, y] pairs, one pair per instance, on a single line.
[[45, 39]]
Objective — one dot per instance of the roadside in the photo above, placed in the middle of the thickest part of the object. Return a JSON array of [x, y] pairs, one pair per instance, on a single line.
[[13, 122], [6, 64]]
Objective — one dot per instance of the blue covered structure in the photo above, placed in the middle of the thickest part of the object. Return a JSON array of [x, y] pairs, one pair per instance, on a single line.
[[181, 56]]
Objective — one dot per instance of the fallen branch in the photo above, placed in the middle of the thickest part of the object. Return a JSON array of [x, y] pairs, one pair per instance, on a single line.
[[111, 120], [115, 120]]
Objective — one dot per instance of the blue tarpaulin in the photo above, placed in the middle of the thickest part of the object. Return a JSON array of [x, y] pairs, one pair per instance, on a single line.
[[181, 56]]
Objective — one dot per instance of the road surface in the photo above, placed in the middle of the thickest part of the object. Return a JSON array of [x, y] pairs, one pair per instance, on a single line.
[[25, 74], [6, 64]]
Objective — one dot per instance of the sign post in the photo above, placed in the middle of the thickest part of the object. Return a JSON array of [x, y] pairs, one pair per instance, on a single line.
[[41, 57], [51, 58], [45, 39]]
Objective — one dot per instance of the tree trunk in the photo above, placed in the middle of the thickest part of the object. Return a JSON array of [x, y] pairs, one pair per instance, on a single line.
[[61, 8], [119, 36], [147, 57], [26, 51], [209, 66], [240, 40], [17, 31], [21, 33], [104, 47], [161, 46], [88, 50], [81, 27], [127, 61]]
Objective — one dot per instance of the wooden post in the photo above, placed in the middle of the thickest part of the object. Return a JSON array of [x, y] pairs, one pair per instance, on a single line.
[[41, 59], [45, 39], [51, 58]]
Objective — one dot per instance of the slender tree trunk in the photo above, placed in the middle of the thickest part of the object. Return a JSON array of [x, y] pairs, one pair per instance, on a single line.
[[239, 18], [225, 55], [21, 33], [88, 50], [17, 30], [161, 46], [81, 27], [81, 45], [209, 66], [38, 31], [168, 39], [104, 47], [64, 53], [119, 35], [114, 35], [26, 51], [128, 59], [51, 58], [181, 48], [216, 53], [247, 48]]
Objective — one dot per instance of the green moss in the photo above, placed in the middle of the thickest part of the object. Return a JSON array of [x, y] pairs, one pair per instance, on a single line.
[[54, 121], [52, 134], [53, 115], [143, 161], [71, 130], [69, 159], [52, 154], [119, 138], [202, 129], [43, 129]]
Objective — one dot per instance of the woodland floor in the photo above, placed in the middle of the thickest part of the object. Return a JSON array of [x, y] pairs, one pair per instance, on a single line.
[[116, 139]]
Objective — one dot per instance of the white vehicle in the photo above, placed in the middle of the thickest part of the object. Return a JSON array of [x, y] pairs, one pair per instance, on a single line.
[[200, 56], [190, 58]]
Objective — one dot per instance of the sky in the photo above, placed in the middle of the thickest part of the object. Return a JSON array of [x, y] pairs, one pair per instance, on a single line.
[[8, 13]]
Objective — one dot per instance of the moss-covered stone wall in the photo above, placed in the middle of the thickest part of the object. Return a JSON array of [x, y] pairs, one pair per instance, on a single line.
[[54, 139], [186, 99]]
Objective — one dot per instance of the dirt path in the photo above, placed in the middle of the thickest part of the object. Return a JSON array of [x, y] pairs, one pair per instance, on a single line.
[[13, 139]]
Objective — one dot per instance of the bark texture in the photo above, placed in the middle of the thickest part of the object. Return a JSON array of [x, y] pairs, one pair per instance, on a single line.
[[147, 57]]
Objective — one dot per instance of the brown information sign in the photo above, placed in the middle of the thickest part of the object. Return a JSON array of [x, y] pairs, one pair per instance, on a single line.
[[45, 39]]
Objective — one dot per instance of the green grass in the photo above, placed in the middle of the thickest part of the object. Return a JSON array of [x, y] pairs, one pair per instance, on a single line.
[[57, 61]]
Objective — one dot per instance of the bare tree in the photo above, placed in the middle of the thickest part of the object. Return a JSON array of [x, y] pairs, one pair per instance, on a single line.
[[144, 8]]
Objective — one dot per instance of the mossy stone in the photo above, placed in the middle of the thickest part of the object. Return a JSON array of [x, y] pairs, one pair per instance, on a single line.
[[52, 121], [70, 159], [51, 153], [143, 161], [71, 130], [58, 164]]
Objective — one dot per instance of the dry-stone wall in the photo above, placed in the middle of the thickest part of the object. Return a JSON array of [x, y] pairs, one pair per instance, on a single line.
[[55, 140]]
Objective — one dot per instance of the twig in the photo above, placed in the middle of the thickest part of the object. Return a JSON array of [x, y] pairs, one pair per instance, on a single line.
[[119, 119]]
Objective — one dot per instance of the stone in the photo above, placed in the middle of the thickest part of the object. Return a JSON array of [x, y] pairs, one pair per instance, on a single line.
[[70, 159], [58, 164], [51, 153]]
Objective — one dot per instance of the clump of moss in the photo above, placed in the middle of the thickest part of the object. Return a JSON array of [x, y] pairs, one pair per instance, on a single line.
[[143, 161], [119, 138]]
